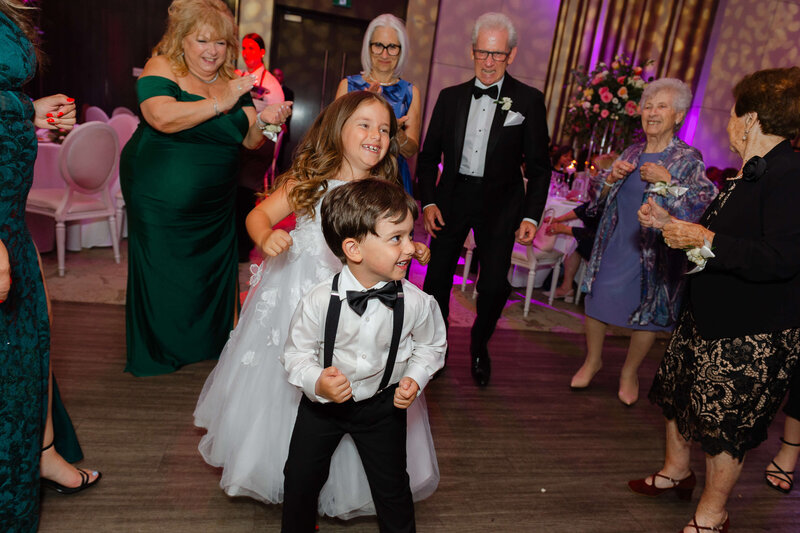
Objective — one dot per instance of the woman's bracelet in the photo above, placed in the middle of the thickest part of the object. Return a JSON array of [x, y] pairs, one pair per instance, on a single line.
[[216, 107], [607, 184]]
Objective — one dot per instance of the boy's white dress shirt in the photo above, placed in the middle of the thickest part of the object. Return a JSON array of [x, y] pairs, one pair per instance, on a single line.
[[362, 342]]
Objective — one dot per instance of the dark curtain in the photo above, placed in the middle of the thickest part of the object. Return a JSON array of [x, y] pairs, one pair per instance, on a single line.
[[674, 33]]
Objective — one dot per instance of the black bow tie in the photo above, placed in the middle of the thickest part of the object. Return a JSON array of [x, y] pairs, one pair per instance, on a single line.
[[386, 294], [491, 92]]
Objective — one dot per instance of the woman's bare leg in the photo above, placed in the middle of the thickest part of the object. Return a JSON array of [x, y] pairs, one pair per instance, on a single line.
[[641, 342], [595, 336]]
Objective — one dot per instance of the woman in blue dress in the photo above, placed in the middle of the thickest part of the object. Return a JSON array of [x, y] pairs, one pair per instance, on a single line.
[[633, 280], [383, 56]]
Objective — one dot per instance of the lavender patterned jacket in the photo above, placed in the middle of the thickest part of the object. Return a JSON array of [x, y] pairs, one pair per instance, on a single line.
[[663, 269]]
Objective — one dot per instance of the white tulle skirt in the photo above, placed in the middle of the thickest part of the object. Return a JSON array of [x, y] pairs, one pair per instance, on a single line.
[[248, 406]]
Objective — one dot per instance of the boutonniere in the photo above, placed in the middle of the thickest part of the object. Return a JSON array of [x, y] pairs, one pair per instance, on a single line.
[[662, 188], [700, 256], [504, 103]]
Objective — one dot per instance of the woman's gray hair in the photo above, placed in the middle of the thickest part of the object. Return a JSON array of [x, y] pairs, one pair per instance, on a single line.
[[681, 93], [495, 21], [385, 21]]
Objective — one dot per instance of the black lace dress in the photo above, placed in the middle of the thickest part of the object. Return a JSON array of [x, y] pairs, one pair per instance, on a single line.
[[724, 392]]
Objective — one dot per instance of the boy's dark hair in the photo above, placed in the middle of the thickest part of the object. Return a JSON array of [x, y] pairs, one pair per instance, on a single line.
[[352, 210]]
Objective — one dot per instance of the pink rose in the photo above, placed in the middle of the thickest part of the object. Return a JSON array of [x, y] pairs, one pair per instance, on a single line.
[[615, 65], [631, 108], [604, 113], [596, 108], [621, 80], [602, 90], [606, 97], [637, 70]]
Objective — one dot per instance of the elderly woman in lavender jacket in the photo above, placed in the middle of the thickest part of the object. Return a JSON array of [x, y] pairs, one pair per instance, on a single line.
[[633, 280]]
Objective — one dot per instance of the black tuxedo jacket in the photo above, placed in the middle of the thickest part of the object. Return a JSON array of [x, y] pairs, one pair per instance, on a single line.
[[503, 188], [753, 283]]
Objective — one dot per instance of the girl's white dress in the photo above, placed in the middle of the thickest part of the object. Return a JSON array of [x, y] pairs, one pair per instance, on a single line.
[[248, 406]]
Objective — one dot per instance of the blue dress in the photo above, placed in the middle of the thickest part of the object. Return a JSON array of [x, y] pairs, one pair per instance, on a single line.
[[399, 96], [616, 292]]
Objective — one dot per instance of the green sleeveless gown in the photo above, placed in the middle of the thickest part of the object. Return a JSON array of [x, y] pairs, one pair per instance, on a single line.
[[179, 192]]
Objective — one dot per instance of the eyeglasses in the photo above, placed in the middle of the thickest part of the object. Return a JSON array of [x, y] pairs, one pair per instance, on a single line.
[[480, 55], [378, 48]]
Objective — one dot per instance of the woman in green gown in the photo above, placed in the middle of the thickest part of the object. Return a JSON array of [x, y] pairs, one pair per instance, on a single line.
[[24, 323], [178, 179]]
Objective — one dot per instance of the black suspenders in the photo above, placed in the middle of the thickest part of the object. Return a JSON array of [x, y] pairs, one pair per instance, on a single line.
[[332, 323]]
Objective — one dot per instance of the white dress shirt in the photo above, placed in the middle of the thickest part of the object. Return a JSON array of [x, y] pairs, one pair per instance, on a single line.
[[362, 342], [476, 136]]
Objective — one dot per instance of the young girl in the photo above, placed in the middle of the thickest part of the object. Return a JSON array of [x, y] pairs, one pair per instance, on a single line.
[[247, 404]]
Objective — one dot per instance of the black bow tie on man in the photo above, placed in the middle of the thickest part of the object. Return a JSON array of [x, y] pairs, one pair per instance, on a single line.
[[358, 299], [492, 92]]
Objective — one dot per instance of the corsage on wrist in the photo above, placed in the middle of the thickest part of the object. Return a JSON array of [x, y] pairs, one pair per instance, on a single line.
[[662, 188], [270, 131], [700, 256]]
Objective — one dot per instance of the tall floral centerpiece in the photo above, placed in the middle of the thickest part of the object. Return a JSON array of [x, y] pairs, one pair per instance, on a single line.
[[604, 113]]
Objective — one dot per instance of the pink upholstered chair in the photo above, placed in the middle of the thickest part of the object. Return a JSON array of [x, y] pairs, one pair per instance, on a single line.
[[88, 162], [94, 113]]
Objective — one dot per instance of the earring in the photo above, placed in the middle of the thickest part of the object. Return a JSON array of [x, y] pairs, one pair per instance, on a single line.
[[744, 137]]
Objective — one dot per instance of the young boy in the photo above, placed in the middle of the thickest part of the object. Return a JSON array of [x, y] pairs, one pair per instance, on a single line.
[[361, 348]]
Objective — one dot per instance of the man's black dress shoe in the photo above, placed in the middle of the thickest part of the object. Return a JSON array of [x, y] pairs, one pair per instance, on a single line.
[[481, 365]]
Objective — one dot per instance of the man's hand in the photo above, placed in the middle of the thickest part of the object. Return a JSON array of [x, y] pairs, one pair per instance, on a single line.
[[526, 232], [433, 220], [405, 393], [333, 385]]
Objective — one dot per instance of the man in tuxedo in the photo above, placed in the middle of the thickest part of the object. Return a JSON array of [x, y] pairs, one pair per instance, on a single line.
[[483, 128]]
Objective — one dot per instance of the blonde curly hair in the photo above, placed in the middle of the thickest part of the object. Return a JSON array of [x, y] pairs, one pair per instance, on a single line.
[[320, 154], [187, 16]]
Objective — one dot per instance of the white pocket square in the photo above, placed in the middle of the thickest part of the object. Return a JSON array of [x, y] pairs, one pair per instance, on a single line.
[[514, 119]]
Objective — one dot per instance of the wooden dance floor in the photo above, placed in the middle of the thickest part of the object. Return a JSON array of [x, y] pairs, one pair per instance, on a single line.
[[522, 455]]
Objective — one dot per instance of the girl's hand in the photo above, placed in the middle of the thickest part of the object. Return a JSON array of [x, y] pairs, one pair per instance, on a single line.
[[422, 253], [277, 113], [652, 215], [557, 227], [277, 242], [54, 112]]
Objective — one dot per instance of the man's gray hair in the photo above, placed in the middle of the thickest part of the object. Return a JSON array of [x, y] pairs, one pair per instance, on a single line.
[[681, 93], [495, 21], [385, 21]]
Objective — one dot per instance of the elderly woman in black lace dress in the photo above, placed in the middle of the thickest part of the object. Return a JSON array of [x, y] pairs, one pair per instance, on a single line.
[[730, 359]]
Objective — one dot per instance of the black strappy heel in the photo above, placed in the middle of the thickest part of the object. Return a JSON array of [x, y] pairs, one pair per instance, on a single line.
[[780, 474], [61, 489]]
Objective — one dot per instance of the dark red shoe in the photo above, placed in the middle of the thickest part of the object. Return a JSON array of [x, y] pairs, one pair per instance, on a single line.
[[682, 487]]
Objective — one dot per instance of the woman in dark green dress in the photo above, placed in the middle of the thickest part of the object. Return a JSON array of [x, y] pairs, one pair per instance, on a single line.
[[24, 324], [178, 178]]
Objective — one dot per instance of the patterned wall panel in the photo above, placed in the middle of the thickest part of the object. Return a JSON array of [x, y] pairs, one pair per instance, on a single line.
[[753, 35]]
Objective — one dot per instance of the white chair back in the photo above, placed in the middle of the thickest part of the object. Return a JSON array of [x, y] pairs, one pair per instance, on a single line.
[[89, 157], [94, 113], [122, 110]]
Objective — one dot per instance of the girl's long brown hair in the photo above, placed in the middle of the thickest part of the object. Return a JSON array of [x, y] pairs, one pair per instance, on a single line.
[[320, 154]]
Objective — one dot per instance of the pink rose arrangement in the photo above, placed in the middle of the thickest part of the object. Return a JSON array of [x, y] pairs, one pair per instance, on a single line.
[[607, 102]]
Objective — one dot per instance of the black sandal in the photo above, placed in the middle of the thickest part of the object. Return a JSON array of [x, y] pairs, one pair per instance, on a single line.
[[61, 489], [780, 474]]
